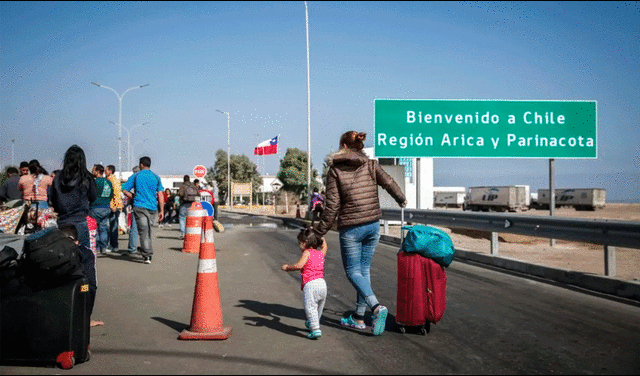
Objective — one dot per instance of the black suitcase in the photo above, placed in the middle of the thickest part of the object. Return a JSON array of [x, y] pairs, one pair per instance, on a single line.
[[45, 326]]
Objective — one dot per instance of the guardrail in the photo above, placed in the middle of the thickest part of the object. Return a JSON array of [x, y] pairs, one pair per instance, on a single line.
[[609, 233]]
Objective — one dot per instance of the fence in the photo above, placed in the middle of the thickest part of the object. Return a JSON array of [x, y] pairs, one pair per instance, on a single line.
[[609, 233]]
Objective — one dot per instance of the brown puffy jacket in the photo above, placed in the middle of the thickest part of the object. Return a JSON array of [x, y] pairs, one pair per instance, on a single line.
[[352, 190]]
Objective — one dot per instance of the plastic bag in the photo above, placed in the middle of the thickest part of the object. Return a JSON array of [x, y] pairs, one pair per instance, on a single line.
[[430, 242]]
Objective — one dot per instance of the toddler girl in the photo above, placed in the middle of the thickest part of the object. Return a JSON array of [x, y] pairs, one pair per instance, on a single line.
[[314, 288]]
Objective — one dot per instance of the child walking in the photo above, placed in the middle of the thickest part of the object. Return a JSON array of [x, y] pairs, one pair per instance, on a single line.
[[314, 287]]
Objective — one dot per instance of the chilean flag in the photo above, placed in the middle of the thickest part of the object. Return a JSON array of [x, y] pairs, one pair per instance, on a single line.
[[267, 147]]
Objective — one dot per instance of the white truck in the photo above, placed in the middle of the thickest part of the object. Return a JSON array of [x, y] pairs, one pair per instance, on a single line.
[[449, 199], [580, 199], [497, 198], [449, 196]]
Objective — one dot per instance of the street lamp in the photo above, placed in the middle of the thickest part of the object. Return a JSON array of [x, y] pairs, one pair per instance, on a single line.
[[120, 119], [129, 139], [13, 159], [139, 142], [228, 160]]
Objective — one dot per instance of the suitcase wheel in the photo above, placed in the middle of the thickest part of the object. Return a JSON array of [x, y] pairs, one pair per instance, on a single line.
[[424, 331], [66, 360], [402, 329]]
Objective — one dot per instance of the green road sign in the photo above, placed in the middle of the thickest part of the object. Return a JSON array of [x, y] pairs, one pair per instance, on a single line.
[[485, 128]]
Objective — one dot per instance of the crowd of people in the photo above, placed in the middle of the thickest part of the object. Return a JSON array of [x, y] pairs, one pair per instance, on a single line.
[[75, 197], [351, 200]]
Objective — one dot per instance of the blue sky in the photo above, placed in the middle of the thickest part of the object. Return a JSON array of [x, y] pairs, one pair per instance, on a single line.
[[249, 59]]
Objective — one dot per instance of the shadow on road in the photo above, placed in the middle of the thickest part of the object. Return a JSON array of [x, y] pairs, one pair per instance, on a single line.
[[130, 258], [271, 314], [177, 326]]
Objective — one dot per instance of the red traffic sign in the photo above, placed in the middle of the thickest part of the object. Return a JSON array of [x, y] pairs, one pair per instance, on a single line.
[[199, 171]]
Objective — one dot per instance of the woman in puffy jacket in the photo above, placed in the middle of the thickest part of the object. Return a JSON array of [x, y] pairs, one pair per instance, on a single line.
[[352, 198]]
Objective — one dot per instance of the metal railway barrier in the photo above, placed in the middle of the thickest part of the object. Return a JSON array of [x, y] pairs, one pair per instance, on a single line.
[[608, 233]]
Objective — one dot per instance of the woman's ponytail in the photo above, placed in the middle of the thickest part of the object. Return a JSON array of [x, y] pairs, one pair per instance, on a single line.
[[353, 140]]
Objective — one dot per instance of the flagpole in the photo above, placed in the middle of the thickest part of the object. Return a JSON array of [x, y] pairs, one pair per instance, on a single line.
[[306, 12]]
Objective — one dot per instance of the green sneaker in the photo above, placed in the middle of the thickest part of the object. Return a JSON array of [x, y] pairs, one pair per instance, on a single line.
[[315, 334], [349, 322], [380, 321]]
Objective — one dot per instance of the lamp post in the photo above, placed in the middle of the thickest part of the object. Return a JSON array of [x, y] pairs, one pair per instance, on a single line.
[[13, 159], [228, 160], [306, 13], [120, 119], [129, 139], [139, 142]]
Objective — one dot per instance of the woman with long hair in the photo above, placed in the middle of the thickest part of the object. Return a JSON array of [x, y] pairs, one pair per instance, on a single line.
[[72, 191], [34, 185], [352, 198]]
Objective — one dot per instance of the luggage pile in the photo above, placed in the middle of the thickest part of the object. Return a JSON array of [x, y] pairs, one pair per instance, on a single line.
[[44, 300], [422, 281]]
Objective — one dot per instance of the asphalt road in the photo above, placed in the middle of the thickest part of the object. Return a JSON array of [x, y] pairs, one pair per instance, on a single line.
[[495, 323]]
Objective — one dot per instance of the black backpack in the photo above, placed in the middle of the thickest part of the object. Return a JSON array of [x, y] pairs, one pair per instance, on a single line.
[[50, 258]]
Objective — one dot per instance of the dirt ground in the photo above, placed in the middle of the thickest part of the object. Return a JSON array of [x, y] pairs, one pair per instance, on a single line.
[[582, 257]]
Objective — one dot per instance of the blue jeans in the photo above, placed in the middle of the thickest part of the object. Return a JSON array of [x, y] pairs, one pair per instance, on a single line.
[[357, 246], [144, 219], [83, 234], [101, 215], [182, 217], [133, 234], [113, 228]]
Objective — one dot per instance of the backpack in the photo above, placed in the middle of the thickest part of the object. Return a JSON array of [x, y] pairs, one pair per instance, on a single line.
[[50, 258], [316, 200], [190, 193]]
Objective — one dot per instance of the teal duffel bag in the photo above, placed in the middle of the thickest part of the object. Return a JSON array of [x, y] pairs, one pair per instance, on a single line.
[[430, 242]]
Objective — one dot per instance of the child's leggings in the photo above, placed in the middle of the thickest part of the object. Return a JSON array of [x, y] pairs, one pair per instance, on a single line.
[[314, 295]]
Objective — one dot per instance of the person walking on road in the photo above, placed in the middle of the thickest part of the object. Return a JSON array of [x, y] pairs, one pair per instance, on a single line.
[[188, 193], [100, 210], [352, 198], [132, 246], [314, 287], [148, 200], [72, 192], [116, 205]]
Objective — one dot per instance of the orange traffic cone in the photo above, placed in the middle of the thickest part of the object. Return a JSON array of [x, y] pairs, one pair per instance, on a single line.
[[206, 316], [193, 228]]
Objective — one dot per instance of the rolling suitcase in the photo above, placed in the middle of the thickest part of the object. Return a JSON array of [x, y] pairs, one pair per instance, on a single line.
[[50, 325], [421, 291]]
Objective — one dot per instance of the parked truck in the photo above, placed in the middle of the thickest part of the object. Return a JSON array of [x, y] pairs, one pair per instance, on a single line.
[[493, 198], [580, 199], [449, 199]]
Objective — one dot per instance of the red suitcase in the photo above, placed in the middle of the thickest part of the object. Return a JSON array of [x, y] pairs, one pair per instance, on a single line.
[[422, 291]]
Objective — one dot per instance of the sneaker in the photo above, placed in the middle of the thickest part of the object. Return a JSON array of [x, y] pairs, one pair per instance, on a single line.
[[349, 322], [315, 334], [379, 320], [147, 260]]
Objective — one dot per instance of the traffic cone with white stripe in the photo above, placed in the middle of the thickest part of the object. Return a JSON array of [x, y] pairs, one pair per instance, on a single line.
[[206, 316], [193, 228]]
